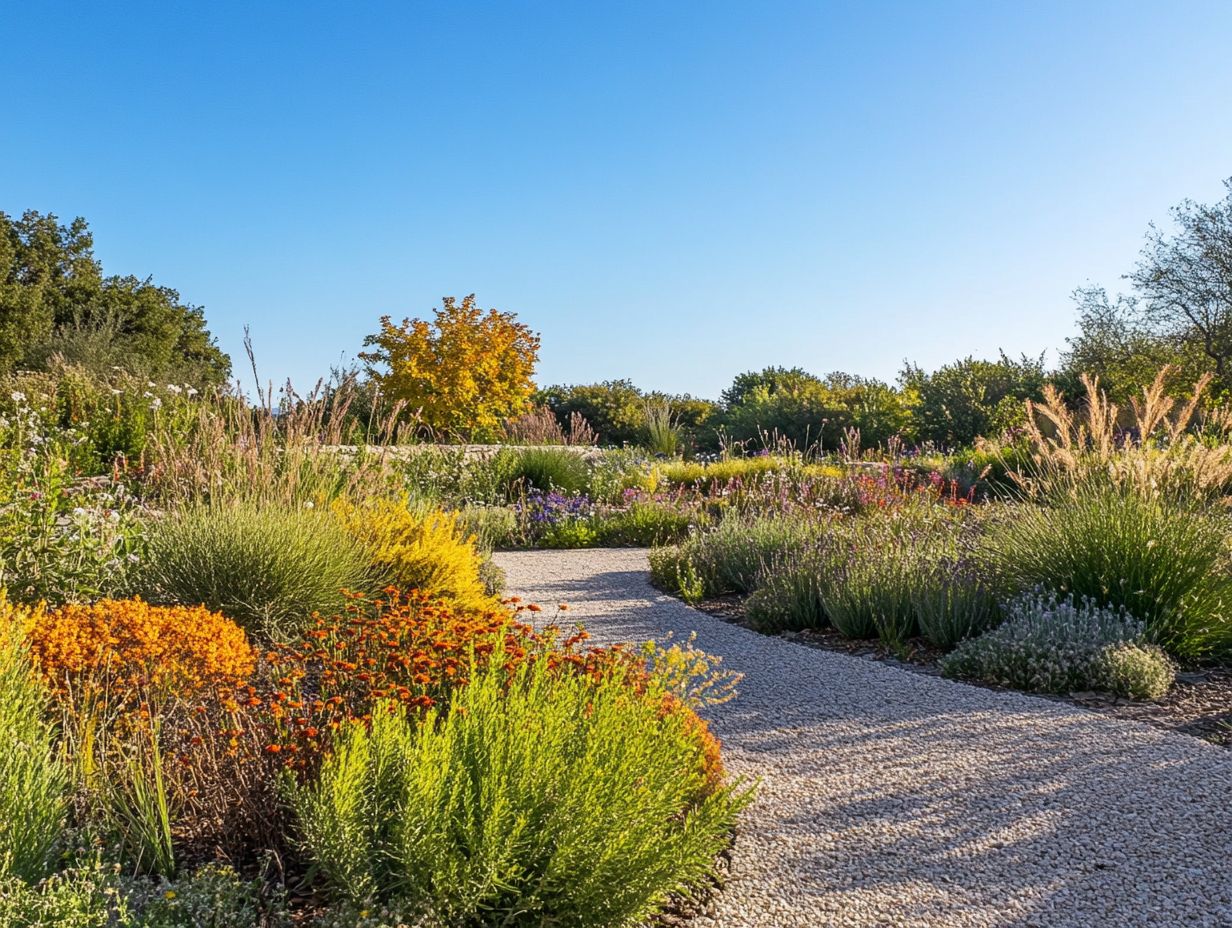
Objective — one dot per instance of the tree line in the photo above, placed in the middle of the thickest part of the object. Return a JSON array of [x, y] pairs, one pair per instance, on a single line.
[[462, 374]]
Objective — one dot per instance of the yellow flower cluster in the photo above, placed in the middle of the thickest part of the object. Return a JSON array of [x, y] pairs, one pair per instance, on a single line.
[[418, 550]]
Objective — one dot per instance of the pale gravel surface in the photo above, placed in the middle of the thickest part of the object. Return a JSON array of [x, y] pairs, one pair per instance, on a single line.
[[894, 798]]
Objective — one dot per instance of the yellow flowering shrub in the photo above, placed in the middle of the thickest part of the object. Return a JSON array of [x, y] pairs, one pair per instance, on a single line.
[[425, 550], [16, 618], [127, 647]]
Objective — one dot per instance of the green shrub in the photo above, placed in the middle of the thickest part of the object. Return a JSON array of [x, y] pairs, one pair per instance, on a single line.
[[493, 527], [790, 593], [33, 780], [517, 806], [95, 895], [544, 469], [954, 600], [1053, 645], [1163, 563], [267, 567], [731, 557], [645, 524]]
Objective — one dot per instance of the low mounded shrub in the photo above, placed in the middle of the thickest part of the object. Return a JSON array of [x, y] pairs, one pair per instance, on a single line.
[[1163, 563], [515, 805], [418, 549], [1052, 645], [114, 647], [267, 567], [543, 469]]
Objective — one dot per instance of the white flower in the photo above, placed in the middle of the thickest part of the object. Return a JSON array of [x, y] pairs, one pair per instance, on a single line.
[[174, 389], [192, 391], [115, 392], [156, 403], [18, 396], [310, 505]]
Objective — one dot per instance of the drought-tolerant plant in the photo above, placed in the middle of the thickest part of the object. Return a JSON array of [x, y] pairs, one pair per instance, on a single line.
[[514, 806], [646, 523], [1053, 645], [664, 433], [954, 599], [417, 547], [33, 779], [269, 567], [1165, 563], [729, 558], [92, 894], [790, 592], [1162, 453], [542, 469]]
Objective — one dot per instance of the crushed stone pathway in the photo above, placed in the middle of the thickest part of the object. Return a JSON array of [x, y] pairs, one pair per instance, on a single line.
[[890, 798]]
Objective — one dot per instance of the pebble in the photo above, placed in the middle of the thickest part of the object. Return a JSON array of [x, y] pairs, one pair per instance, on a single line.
[[890, 798]]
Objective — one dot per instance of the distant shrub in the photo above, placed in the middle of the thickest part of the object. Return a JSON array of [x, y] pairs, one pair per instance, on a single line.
[[516, 807], [645, 523], [730, 557], [1053, 645], [1164, 563], [420, 548], [267, 567], [543, 469]]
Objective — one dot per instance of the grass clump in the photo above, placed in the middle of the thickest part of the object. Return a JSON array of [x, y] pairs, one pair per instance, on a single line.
[[954, 600], [1162, 562], [514, 806], [268, 567], [791, 592], [732, 556], [543, 469], [1052, 645], [34, 782]]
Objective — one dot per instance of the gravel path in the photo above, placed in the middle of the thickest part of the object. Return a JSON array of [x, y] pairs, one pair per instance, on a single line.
[[893, 798]]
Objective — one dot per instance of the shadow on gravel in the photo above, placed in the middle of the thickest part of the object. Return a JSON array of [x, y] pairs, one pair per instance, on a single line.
[[956, 804]]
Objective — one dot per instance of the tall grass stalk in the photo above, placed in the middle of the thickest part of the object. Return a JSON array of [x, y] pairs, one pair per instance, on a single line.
[[34, 782]]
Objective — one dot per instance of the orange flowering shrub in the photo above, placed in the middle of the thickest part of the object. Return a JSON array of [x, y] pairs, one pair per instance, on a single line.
[[131, 650], [408, 647]]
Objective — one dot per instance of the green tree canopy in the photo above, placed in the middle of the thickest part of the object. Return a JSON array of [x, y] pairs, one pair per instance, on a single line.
[[967, 399], [56, 302]]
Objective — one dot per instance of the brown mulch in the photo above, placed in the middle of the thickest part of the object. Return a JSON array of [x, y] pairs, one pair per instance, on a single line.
[[1200, 704]]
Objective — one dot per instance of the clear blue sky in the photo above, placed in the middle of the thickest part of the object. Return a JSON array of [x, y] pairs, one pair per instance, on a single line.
[[668, 191]]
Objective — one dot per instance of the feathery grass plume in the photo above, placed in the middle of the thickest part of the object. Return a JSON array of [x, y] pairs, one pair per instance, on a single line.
[[1166, 449]]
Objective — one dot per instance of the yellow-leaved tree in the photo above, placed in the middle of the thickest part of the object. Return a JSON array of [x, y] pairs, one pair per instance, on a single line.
[[465, 372]]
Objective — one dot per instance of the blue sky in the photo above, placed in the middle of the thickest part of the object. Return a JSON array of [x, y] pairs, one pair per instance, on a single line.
[[671, 192]]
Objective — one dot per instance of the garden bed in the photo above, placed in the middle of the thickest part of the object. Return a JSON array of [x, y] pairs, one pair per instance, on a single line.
[[1199, 704]]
